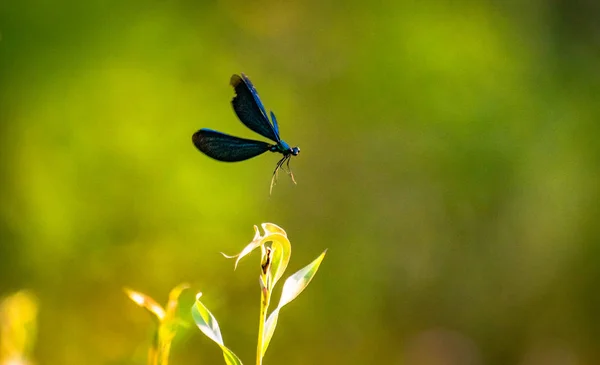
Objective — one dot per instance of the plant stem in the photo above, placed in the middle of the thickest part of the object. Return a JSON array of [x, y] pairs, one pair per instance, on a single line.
[[153, 352], [265, 296], [164, 354]]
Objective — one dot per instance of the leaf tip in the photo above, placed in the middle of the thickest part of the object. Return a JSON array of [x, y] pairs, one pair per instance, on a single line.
[[227, 256], [137, 298]]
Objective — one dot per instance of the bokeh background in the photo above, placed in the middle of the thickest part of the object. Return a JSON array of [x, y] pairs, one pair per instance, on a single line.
[[449, 163]]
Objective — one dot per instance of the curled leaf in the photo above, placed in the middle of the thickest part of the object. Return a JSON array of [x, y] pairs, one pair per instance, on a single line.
[[147, 302], [273, 228], [282, 250], [256, 242], [174, 299], [167, 322], [280, 243]]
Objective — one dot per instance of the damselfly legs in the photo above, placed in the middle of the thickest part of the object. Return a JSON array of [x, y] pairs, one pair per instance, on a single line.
[[287, 169]]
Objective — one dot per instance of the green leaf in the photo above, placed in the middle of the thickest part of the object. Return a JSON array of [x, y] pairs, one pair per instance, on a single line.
[[282, 250], [270, 325], [293, 286], [210, 327]]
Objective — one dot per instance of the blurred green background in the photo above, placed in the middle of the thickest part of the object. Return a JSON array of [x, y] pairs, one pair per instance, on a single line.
[[449, 162]]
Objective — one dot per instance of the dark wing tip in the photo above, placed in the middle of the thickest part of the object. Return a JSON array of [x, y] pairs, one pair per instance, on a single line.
[[199, 137], [235, 80], [196, 137]]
